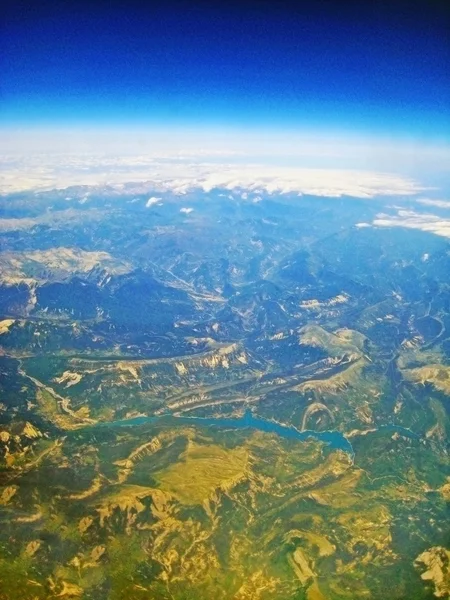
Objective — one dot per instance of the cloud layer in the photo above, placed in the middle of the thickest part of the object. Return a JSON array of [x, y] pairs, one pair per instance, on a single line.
[[184, 174], [437, 203], [413, 220]]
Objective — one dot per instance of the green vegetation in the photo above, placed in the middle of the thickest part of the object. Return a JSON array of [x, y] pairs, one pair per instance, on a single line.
[[136, 314]]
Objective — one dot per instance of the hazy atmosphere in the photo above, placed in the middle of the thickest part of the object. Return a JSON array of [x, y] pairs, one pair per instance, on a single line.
[[224, 300]]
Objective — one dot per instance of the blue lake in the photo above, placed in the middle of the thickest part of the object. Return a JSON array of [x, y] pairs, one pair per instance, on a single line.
[[334, 439]]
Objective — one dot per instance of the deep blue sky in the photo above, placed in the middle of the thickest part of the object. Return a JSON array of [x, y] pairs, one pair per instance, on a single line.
[[370, 66]]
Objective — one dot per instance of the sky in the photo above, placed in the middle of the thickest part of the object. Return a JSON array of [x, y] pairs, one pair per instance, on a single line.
[[373, 72]]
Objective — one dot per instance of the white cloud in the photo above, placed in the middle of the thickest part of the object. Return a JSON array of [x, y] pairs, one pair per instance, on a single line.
[[151, 201], [186, 211], [316, 182], [411, 220], [437, 203], [181, 176]]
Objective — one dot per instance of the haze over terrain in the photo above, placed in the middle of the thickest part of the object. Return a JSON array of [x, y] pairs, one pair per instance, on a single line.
[[225, 301]]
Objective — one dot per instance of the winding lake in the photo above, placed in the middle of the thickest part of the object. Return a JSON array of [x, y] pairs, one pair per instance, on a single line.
[[334, 439]]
